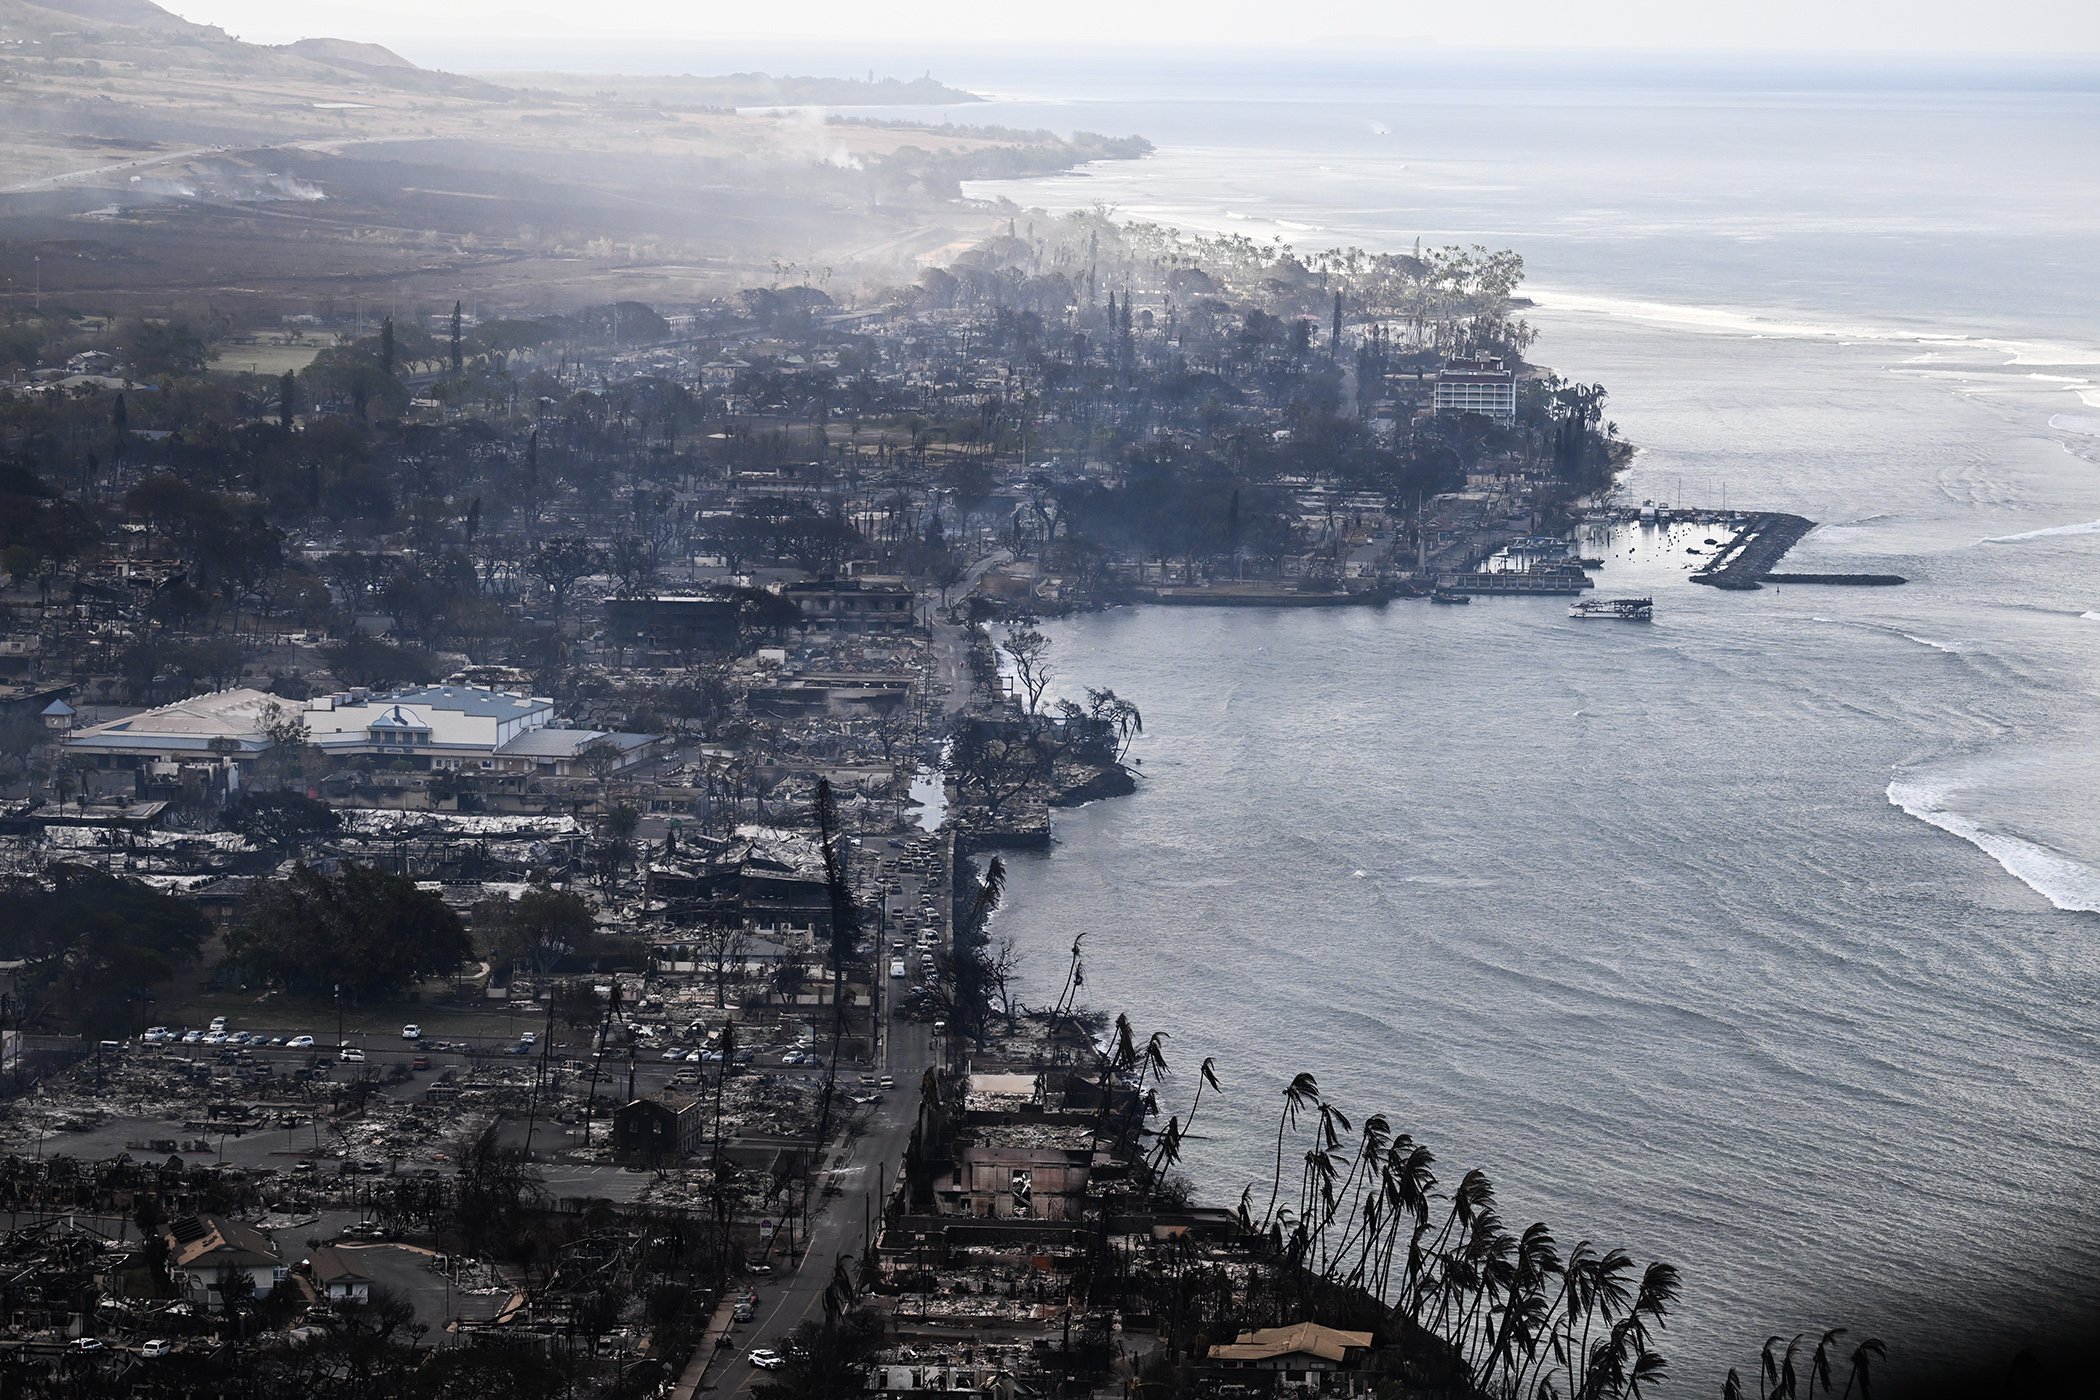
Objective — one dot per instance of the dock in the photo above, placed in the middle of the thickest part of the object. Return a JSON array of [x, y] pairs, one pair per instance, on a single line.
[[1749, 559], [1560, 581], [1757, 548]]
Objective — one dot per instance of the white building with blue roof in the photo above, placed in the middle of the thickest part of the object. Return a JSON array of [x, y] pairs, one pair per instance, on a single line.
[[445, 726]]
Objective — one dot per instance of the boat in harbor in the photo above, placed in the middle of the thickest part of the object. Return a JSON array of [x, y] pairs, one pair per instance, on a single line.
[[1446, 595], [1619, 609]]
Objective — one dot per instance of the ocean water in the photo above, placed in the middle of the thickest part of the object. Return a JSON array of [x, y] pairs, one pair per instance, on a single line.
[[1761, 939]]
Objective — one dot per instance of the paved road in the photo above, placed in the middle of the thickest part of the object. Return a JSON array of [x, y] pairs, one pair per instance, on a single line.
[[869, 1166], [862, 1175], [950, 647]]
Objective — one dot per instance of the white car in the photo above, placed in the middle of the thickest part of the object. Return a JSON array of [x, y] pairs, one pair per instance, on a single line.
[[766, 1360], [300, 1042], [411, 1032], [154, 1035], [351, 1055], [149, 1351]]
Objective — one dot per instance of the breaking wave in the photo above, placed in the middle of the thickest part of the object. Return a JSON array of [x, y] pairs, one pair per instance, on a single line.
[[1783, 325], [2062, 881], [2087, 528]]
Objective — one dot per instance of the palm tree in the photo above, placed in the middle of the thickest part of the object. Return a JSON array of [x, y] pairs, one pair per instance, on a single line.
[[1768, 1369], [1863, 1356], [1207, 1075], [1302, 1090]]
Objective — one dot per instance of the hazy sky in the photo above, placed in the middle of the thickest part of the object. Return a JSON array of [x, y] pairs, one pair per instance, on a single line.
[[2060, 27]]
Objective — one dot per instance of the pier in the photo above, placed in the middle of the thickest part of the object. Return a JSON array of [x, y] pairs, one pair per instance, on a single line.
[[1763, 540], [1560, 581], [1756, 549]]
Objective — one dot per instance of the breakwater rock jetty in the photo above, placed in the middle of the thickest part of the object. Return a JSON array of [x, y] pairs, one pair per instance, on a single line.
[[1748, 560]]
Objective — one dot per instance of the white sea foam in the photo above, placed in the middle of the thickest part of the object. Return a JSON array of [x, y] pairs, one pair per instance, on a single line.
[[2087, 528], [2090, 616], [1929, 642], [2075, 423], [2057, 878], [1785, 325]]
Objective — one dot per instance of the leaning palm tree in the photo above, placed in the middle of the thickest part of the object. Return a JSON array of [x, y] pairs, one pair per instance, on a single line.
[[1152, 1060], [1302, 1090], [1819, 1365], [1863, 1355], [1207, 1075], [1768, 1369], [1075, 978]]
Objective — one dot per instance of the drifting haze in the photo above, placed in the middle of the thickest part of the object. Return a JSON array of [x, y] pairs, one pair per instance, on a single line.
[[1875, 27]]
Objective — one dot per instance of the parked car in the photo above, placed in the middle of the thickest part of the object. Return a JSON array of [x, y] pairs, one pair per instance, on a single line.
[[300, 1042], [156, 1348], [888, 1081], [85, 1344], [420, 1062]]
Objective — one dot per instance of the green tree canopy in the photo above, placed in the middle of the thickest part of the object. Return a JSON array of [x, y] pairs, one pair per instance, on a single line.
[[537, 929], [91, 942], [365, 929]]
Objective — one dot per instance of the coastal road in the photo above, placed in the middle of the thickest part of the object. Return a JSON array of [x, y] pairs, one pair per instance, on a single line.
[[949, 641], [868, 1166]]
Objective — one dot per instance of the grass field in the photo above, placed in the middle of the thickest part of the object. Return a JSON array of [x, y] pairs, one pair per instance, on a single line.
[[272, 357]]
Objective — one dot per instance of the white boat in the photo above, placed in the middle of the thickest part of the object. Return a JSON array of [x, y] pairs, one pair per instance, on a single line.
[[1617, 609]]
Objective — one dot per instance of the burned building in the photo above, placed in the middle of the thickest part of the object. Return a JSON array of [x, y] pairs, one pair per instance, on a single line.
[[658, 1129]]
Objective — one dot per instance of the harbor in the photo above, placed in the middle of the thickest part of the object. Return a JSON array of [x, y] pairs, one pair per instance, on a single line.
[[1748, 561]]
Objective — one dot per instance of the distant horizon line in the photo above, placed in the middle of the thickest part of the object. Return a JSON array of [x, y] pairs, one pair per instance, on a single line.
[[1342, 44]]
